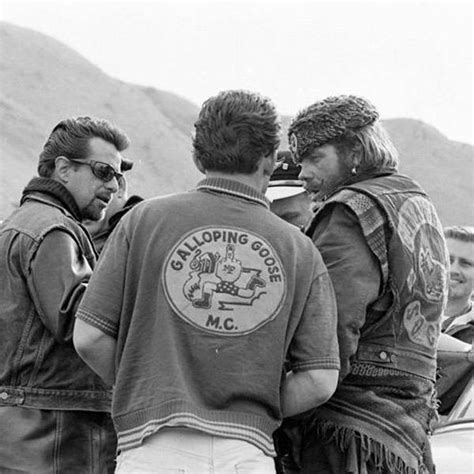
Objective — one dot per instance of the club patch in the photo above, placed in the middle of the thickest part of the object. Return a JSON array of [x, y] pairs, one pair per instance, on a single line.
[[419, 228], [224, 280], [419, 329]]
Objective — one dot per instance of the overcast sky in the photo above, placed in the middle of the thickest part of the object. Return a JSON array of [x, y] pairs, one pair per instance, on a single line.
[[412, 59]]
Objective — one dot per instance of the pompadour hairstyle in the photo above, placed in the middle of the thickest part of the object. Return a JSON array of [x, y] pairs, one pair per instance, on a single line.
[[71, 136], [234, 130]]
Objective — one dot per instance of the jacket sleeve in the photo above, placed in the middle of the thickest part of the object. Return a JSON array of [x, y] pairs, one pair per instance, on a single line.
[[58, 278], [355, 274]]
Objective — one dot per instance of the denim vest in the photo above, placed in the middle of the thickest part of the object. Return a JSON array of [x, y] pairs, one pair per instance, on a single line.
[[36, 369], [406, 236]]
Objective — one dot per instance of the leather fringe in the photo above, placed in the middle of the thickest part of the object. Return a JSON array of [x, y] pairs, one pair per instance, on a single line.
[[371, 449]]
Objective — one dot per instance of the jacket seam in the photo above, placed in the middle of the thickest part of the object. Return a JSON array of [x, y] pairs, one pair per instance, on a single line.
[[21, 347]]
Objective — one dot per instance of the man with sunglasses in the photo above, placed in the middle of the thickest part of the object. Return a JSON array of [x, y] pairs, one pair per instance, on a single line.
[[54, 411], [121, 203]]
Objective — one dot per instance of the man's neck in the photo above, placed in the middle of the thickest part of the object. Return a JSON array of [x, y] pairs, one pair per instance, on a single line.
[[458, 307]]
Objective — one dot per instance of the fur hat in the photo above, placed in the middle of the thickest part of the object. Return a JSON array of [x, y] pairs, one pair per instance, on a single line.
[[327, 120], [284, 181]]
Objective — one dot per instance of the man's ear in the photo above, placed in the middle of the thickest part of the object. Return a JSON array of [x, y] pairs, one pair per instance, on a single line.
[[356, 156], [198, 164], [62, 168], [122, 187], [352, 160], [268, 163]]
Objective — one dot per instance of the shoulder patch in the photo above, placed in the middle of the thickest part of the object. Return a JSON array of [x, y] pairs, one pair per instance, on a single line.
[[224, 280]]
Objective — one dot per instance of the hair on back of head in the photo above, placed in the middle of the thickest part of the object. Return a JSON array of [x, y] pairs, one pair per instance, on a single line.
[[234, 130], [71, 136]]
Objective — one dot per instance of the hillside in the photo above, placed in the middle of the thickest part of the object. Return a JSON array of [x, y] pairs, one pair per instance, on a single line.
[[43, 81], [443, 167]]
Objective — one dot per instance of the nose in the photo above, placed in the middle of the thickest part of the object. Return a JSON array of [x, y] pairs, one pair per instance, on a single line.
[[112, 185], [454, 267], [302, 176]]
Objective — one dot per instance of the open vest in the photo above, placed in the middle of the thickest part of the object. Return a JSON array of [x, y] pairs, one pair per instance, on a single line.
[[402, 229], [46, 371]]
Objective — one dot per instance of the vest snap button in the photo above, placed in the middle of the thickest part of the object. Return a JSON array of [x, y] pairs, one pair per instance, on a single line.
[[383, 355], [4, 395]]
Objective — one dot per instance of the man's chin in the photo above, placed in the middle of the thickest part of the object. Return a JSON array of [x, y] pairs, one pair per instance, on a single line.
[[458, 293], [93, 214], [317, 196], [313, 195]]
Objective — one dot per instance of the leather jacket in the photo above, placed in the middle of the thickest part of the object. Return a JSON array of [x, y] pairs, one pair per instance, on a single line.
[[39, 366]]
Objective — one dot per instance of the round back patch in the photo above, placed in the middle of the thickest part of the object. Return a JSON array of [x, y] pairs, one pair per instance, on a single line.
[[224, 280]]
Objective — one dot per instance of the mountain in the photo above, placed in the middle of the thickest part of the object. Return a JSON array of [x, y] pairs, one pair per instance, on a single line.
[[443, 167], [42, 81]]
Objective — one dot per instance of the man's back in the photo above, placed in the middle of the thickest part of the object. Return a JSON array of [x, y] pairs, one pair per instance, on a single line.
[[220, 291], [200, 298]]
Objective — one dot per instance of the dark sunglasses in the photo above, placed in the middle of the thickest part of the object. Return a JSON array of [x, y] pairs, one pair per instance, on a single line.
[[101, 170]]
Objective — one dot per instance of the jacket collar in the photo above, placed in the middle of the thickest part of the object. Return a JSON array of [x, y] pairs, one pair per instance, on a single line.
[[234, 188], [455, 323], [55, 190]]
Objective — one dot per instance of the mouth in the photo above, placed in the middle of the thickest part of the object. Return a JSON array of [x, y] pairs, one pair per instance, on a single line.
[[104, 200], [313, 188], [310, 188], [313, 193]]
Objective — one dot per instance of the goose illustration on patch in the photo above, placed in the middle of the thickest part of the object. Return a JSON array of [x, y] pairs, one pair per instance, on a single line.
[[224, 280], [216, 274]]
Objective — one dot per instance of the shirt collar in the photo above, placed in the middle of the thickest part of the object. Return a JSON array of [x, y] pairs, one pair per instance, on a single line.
[[465, 318], [233, 188]]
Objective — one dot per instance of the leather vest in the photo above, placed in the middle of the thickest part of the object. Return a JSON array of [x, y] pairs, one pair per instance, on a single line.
[[41, 371], [402, 327]]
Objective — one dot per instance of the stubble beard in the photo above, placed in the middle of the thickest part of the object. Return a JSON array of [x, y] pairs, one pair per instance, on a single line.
[[93, 213]]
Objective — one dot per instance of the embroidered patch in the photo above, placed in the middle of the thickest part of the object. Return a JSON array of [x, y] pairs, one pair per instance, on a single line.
[[419, 228], [411, 280], [416, 213], [433, 275], [420, 331], [224, 280]]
